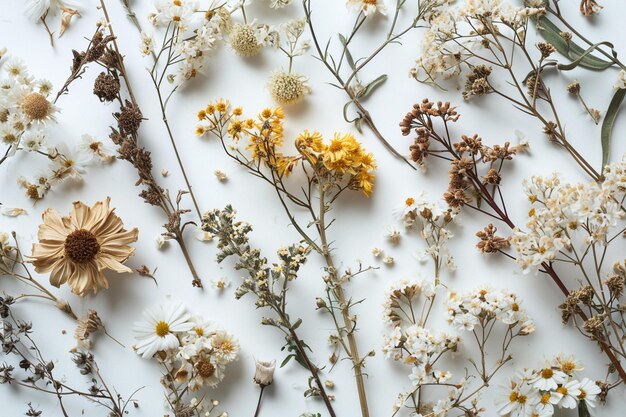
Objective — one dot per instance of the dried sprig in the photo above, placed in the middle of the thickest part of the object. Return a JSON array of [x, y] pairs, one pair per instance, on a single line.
[[471, 163], [329, 169], [102, 49], [38, 373], [347, 71], [270, 286]]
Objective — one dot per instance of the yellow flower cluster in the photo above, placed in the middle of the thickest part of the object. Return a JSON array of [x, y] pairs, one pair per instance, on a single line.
[[342, 156], [342, 159]]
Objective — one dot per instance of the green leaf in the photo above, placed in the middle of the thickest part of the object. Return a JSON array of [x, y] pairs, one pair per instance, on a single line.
[[552, 33], [286, 360], [372, 86], [585, 54], [349, 58], [607, 124]]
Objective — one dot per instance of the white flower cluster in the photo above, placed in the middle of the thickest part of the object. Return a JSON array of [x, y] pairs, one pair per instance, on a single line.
[[539, 392], [433, 221], [455, 31], [476, 307], [25, 109], [194, 35], [190, 348], [408, 341], [562, 210]]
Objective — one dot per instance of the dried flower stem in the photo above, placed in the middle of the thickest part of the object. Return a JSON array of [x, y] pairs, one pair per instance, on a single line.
[[235, 242], [334, 65], [157, 81], [139, 157], [16, 339], [346, 325], [499, 208]]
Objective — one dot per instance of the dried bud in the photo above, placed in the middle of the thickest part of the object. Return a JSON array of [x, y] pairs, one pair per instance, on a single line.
[[264, 373], [573, 87], [546, 49]]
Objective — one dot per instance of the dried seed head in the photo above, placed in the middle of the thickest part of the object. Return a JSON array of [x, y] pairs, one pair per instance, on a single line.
[[243, 40], [288, 88], [106, 87]]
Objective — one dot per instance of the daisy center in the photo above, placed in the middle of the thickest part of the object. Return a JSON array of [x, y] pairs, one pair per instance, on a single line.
[[162, 329], [547, 373], [562, 390], [199, 331], [81, 246], [582, 395], [36, 106], [205, 369]]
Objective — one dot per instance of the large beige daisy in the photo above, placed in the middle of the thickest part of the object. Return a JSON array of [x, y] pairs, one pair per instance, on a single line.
[[77, 249]]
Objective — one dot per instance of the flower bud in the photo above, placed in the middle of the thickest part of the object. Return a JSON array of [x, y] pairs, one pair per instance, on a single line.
[[264, 374]]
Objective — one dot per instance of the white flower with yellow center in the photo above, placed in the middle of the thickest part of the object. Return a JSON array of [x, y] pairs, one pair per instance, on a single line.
[[225, 347], [157, 332], [549, 379]]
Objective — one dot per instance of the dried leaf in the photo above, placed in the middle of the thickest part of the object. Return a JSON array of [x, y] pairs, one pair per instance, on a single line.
[[607, 124]]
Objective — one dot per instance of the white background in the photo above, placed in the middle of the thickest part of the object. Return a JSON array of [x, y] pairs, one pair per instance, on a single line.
[[360, 225]]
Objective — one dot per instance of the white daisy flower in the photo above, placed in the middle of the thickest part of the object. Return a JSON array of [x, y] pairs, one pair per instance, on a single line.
[[157, 331], [589, 390], [549, 379]]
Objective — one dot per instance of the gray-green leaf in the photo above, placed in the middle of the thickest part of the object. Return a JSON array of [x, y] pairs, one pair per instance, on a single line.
[[607, 124], [552, 33]]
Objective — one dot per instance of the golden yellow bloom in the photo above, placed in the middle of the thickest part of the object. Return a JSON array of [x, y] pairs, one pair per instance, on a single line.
[[313, 141], [340, 154], [210, 108], [222, 105], [77, 249], [235, 129], [200, 130], [201, 115], [237, 111]]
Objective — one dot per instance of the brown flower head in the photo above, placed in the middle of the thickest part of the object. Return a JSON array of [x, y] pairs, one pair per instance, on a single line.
[[77, 248]]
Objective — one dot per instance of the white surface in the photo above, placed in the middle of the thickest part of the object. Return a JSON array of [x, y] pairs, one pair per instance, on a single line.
[[360, 226]]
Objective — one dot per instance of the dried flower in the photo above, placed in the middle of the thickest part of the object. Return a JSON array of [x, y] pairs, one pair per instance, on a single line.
[[264, 373], [243, 40], [288, 88], [77, 249]]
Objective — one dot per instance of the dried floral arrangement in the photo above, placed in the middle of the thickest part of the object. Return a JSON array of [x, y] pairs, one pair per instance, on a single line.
[[452, 341]]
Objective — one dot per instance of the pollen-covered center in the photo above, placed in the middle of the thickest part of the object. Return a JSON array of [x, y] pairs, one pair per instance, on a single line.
[[81, 246], [547, 373], [36, 106], [205, 369], [162, 329]]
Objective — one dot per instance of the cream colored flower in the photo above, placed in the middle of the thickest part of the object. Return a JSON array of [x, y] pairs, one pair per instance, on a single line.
[[77, 248]]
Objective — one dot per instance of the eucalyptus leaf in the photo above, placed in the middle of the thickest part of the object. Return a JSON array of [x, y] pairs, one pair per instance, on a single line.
[[552, 33], [607, 124]]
